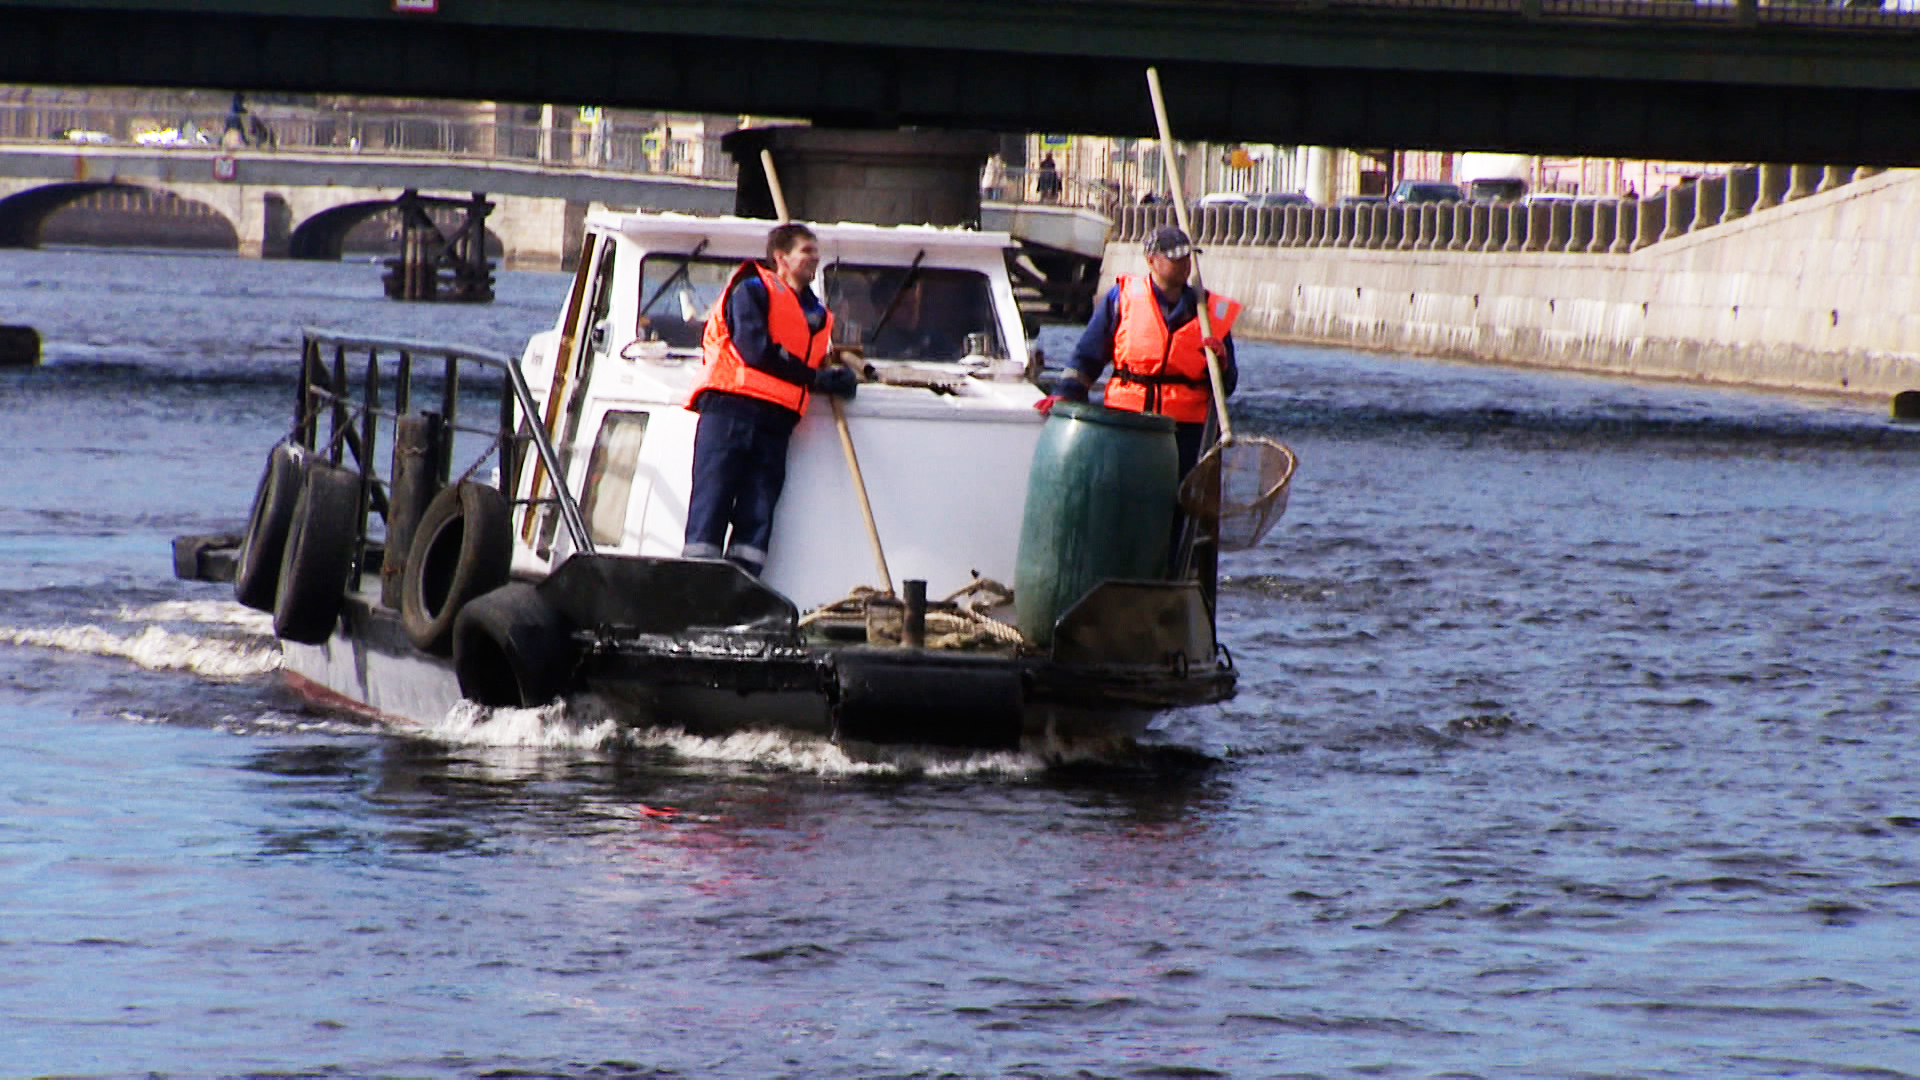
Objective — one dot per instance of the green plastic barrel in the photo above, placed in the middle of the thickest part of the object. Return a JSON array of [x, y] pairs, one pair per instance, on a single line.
[[1100, 502]]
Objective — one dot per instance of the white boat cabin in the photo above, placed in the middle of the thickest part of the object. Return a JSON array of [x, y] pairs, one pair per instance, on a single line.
[[944, 438]]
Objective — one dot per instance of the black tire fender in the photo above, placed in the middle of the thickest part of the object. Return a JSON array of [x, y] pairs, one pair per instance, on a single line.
[[256, 572], [462, 549], [313, 576], [511, 648]]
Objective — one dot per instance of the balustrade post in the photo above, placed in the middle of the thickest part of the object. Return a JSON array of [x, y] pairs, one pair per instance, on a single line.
[[1833, 176], [1804, 179], [1559, 224], [1652, 218], [1539, 226], [1606, 226], [1459, 224], [1774, 180], [1865, 171], [1322, 228], [1580, 235], [1289, 225], [1680, 202], [1627, 228], [1516, 227], [1405, 226], [1498, 217], [1743, 188], [1362, 227], [1382, 223], [1710, 202]]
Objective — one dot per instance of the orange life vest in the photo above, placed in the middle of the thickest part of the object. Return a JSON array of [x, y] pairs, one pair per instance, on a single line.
[[721, 367], [1158, 372]]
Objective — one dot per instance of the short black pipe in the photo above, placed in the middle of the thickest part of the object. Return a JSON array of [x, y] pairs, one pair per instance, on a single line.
[[913, 631]]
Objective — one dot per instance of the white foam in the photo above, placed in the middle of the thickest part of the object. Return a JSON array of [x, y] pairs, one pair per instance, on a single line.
[[585, 723], [203, 612], [156, 649], [549, 727]]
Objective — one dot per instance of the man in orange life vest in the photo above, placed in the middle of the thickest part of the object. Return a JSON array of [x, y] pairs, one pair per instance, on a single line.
[[765, 348], [1149, 330]]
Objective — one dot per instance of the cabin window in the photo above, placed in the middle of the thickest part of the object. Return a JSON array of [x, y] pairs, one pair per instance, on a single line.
[[616, 455], [912, 313], [676, 292], [895, 312]]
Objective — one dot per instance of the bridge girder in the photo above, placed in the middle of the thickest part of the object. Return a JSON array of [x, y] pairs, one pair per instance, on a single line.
[[1286, 73]]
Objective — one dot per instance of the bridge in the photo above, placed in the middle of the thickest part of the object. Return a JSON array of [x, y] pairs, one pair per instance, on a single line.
[[1717, 80], [302, 205]]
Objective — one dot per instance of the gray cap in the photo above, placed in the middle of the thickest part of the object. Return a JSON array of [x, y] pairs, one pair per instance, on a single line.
[[1169, 241]]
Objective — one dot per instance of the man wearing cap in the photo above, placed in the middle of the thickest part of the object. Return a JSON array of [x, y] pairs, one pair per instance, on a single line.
[[1149, 330]]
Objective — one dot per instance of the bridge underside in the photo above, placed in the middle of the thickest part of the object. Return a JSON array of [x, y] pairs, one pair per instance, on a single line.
[[1272, 73]]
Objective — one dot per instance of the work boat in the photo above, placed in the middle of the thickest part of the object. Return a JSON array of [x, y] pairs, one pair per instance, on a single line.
[[947, 566]]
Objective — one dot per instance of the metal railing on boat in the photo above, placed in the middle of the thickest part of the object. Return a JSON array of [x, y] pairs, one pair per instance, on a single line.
[[327, 386]]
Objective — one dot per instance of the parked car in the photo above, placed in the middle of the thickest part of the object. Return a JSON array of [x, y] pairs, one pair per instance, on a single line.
[[1280, 198], [1425, 191], [1497, 189], [1221, 198]]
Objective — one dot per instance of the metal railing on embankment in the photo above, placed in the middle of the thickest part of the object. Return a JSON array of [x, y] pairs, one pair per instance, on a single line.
[[1556, 225]]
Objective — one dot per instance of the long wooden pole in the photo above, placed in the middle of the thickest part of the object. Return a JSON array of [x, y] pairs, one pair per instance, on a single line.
[[1180, 212], [839, 413]]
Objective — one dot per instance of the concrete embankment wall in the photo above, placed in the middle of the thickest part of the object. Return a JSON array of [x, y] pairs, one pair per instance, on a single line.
[[1820, 294]]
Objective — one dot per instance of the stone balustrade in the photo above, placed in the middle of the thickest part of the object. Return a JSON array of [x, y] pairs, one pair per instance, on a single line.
[[1554, 225]]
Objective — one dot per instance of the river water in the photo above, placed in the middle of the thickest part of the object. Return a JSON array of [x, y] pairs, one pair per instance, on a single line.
[[1574, 738]]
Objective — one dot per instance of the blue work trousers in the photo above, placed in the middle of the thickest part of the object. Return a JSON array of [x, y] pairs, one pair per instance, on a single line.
[[739, 467]]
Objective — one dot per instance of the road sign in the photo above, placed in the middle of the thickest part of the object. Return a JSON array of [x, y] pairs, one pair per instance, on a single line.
[[225, 168]]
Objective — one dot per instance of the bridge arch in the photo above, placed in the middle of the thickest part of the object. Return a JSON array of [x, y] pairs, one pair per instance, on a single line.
[[323, 235], [24, 214]]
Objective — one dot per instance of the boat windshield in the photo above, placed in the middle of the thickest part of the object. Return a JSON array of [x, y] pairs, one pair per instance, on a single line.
[[895, 312]]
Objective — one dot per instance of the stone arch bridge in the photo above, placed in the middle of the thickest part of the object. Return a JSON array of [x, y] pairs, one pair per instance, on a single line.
[[301, 205]]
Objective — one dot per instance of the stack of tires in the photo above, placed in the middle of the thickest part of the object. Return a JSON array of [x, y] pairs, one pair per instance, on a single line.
[[298, 549], [509, 646]]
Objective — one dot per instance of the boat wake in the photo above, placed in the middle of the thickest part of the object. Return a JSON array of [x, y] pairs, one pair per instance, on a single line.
[[175, 637], [586, 723]]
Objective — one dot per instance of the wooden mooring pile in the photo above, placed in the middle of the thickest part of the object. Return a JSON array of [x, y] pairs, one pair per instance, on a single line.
[[435, 266]]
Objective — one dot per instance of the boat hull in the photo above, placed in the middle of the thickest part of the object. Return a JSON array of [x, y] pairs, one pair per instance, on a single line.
[[853, 694]]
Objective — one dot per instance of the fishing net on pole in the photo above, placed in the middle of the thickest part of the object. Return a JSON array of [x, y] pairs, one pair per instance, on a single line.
[[1239, 490]]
